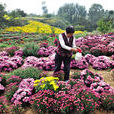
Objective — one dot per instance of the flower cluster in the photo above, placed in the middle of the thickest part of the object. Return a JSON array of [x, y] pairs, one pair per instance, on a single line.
[[46, 83], [98, 45], [46, 51], [98, 50], [24, 92], [8, 64], [40, 63], [101, 62], [43, 101], [81, 64], [95, 82]]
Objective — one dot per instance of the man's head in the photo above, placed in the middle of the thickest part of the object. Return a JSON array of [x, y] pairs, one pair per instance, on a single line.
[[70, 31]]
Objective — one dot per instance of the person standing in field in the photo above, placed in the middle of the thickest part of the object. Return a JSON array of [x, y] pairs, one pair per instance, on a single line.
[[66, 46]]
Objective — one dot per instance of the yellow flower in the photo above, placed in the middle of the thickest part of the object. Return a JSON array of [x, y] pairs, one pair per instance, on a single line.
[[52, 82], [36, 81], [55, 87], [6, 17], [35, 85], [42, 86]]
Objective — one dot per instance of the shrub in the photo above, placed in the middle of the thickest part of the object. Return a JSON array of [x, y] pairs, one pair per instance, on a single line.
[[29, 72], [30, 49]]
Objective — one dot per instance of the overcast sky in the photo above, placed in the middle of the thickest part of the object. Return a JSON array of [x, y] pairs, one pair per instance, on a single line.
[[35, 6]]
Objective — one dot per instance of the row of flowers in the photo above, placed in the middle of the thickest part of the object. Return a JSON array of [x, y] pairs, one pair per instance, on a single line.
[[10, 63], [100, 63], [35, 26]]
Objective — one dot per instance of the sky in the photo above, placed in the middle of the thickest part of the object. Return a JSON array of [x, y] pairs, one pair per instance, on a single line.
[[35, 6]]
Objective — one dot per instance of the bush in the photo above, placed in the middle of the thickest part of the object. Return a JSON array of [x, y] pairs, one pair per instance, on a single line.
[[30, 49], [29, 72], [104, 25]]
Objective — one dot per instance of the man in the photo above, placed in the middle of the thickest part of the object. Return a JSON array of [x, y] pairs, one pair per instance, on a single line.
[[66, 47]]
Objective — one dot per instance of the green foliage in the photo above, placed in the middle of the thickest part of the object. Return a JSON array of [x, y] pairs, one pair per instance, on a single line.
[[29, 72], [2, 19], [3, 45], [79, 27], [30, 49], [104, 25], [17, 13]]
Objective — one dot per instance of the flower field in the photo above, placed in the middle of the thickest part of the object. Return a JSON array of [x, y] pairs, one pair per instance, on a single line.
[[27, 81]]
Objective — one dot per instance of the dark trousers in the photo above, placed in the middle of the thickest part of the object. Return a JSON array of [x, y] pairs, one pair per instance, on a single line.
[[66, 61]]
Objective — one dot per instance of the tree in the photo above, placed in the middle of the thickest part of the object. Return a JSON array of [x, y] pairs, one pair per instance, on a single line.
[[2, 13], [72, 12], [17, 13], [44, 8], [96, 12], [107, 23]]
